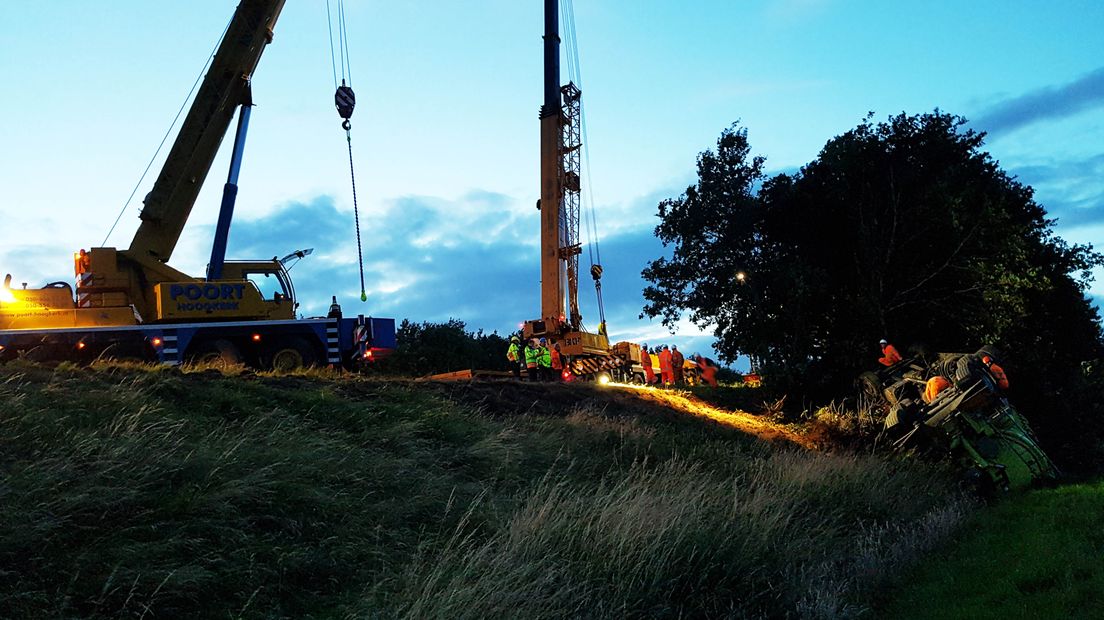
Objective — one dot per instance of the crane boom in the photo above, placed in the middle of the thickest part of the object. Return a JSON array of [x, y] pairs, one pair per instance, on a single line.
[[551, 144], [560, 141], [226, 86]]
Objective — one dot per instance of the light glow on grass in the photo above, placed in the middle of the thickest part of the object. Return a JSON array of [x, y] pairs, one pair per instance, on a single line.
[[687, 403]]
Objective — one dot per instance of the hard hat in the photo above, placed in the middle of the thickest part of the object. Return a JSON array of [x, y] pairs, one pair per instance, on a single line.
[[882, 341], [542, 341], [665, 347], [675, 347], [985, 359], [514, 339]]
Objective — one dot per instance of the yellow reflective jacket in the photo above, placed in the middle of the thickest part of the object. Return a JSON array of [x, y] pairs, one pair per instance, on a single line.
[[531, 356]]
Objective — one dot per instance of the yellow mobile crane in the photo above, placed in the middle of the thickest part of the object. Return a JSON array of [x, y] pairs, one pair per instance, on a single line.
[[589, 355], [134, 303], [560, 120]]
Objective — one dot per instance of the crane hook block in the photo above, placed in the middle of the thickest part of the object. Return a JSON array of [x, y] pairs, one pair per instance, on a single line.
[[345, 101], [596, 272]]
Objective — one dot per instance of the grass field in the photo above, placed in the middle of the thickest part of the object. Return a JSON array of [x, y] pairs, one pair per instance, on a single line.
[[131, 492], [1038, 555]]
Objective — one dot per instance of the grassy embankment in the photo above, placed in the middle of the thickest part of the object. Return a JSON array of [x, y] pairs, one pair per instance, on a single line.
[[1037, 555], [129, 492]]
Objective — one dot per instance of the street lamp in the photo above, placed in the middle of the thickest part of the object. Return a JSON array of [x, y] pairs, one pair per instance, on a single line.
[[744, 280]]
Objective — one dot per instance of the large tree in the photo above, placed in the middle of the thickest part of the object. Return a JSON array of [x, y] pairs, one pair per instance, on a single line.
[[905, 229]]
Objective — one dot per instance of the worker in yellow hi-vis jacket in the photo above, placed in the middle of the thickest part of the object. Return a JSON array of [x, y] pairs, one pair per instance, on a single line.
[[513, 356]]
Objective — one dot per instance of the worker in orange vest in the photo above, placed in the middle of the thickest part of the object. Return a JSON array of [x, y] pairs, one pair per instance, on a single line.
[[646, 363], [676, 365], [708, 371], [890, 356], [665, 366], [934, 386], [996, 371], [557, 363]]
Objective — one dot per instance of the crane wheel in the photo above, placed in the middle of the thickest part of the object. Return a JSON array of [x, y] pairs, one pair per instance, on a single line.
[[218, 353], [294, 354]]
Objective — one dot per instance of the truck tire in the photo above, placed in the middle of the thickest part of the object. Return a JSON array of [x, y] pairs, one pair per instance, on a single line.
[[219, 353], [870, 387], [291, 355]]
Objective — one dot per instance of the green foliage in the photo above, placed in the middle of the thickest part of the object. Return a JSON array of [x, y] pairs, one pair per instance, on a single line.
[[152, 493], [716, 230], [905, 229], [1034, 556], [431, 348]]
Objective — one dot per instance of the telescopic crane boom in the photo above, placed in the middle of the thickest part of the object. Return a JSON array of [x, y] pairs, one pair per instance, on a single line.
[[140, 275], [561, 320], [225, 89]]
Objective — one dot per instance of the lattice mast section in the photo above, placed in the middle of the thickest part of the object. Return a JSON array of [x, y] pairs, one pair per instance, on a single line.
[[570, 182]]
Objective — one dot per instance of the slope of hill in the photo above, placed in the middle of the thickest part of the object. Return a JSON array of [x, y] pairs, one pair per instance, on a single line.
[[1036, 555], [158, 493]]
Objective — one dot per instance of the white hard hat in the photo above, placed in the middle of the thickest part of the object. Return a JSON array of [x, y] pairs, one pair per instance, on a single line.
[[882, 341]]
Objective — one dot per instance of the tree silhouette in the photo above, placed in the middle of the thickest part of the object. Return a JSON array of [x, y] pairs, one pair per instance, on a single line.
[[904, 229]]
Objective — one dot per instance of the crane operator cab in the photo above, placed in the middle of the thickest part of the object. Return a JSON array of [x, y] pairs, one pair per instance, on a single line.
[[246, 290]]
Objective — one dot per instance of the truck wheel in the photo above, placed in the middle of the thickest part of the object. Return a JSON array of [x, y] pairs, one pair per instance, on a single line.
[[218, 353], [294, 354]]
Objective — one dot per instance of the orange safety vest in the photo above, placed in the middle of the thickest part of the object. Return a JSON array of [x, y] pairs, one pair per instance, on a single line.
[[934, 386], [708, 372], [998, 374], [557, 361], [891, 355], [646, 363]]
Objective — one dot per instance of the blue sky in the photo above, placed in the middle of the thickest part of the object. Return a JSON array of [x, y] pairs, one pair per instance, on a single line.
[[446, 132]]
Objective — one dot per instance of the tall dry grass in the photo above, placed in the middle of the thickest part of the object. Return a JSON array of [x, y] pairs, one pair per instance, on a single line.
[[131, 492], [789, 535]]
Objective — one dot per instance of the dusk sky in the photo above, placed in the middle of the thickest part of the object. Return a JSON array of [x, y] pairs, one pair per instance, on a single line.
[[446, 132]]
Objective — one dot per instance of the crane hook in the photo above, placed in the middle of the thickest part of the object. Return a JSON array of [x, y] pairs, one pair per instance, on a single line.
[[345, 100]]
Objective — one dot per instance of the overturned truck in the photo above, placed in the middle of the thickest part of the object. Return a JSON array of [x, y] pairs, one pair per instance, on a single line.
[[954, 404]]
